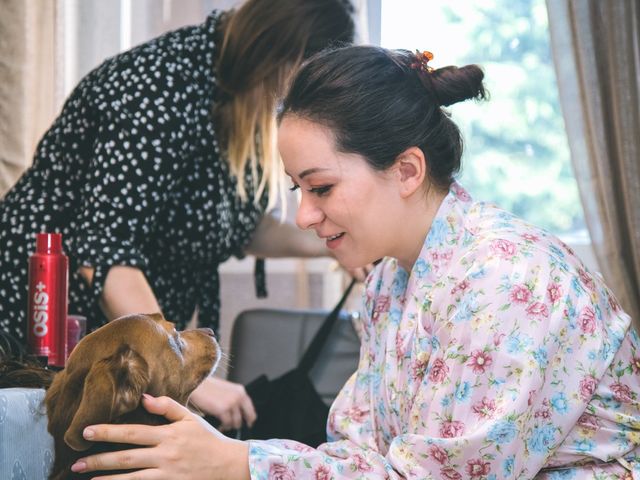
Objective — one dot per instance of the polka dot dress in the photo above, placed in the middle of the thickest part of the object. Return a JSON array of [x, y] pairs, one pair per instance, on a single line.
[[130, 173]]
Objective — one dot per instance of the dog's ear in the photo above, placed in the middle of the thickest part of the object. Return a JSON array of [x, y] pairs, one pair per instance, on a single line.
[[157, 317], [113, 387]]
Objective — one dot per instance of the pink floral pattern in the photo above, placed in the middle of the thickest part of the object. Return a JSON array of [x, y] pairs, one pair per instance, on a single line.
[[322, 472], [485, 408], [555, 292], [480, 361], [500, 356], [520, 294], [587, 320]]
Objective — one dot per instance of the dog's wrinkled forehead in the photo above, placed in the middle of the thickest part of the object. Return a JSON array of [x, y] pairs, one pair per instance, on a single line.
[[138, 331], [145, 326]]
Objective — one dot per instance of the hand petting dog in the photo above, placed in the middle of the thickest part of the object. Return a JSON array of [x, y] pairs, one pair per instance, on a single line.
[[187, 448], [109, 371]]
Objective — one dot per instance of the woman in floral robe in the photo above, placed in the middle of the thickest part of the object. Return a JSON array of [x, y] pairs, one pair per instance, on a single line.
[[497, 356], [489, 351]]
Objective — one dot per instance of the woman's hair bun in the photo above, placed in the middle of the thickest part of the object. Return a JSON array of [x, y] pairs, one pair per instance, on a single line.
[[379, 102], [456, 84]]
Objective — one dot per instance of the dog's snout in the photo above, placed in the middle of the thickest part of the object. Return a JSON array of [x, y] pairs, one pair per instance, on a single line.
[[208, 331]]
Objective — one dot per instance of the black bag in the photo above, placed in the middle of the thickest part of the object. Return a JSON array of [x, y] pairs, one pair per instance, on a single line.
[[289, 406]]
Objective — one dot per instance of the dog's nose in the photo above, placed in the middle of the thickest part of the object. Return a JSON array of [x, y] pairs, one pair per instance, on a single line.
[[208, 331]]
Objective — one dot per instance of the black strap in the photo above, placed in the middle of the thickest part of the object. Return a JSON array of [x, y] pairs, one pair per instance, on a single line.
[[260, 278], [320, 338]]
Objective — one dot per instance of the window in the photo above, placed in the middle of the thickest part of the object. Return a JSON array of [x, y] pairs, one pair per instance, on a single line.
[[516, 152]]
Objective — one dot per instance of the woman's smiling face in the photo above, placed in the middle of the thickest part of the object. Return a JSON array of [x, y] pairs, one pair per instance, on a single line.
[[352, 206]]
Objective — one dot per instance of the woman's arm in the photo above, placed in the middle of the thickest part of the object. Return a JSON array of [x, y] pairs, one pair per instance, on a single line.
[[273, 238], [126, 291], [186, 448]]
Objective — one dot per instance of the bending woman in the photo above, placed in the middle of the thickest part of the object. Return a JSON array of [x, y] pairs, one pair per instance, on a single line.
[[161, 166], [489, 351]]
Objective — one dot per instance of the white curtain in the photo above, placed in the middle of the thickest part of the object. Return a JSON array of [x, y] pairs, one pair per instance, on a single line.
[[27, 82], [596, 48]]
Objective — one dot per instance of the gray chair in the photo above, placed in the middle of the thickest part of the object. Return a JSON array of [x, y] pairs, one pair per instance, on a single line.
[[272, 342]]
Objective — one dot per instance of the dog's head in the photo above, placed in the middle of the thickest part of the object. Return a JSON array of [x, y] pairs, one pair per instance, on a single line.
[[111, 368]]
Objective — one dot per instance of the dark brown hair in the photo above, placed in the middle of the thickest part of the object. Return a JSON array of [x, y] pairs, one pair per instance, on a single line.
[[377, 105], [19, 369], [263, 42]]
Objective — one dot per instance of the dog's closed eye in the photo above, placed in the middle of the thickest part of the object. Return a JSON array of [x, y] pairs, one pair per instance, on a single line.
[[176, 342]]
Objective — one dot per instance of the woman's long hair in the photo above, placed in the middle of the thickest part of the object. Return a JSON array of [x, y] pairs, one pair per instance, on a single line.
[[264, 41]]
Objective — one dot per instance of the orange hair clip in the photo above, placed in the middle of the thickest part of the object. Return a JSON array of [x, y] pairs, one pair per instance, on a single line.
[[422, 60]]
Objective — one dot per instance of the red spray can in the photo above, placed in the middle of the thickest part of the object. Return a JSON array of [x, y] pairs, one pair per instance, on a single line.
[[48, 290]]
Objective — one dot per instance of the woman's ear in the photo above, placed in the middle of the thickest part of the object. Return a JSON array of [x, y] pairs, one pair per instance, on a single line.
[[411, 170]]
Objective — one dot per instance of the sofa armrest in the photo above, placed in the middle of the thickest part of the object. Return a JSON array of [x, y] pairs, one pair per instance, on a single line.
[[26, 448]]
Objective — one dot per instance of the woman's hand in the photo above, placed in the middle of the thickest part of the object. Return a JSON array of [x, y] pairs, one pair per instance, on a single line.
[[186, 448], [360, 273], [226, 401]]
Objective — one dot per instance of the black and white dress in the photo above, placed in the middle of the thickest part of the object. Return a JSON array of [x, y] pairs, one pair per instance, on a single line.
[[131, 174]]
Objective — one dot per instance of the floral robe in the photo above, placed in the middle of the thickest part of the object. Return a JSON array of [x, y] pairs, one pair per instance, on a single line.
[[500, 356]]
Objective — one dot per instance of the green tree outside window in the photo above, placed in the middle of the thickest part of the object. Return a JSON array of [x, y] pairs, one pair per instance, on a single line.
[[516, 152]]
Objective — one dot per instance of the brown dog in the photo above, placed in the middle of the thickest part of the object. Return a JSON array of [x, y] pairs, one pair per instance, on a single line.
[[108, 372]]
